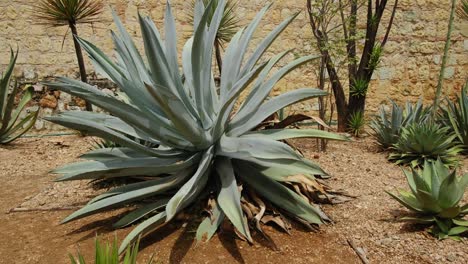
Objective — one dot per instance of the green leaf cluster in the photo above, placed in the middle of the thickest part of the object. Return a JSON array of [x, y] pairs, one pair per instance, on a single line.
[[455, 116], [204, 141], [109, 254], [435, 195], [11, 124], [387, 126], [423, 142], [65, 12]]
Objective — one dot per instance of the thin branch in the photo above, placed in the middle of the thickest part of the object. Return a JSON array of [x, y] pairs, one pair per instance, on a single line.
[[387, 33]]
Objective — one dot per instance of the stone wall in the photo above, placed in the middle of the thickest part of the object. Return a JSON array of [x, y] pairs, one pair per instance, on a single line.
[[409, 68]]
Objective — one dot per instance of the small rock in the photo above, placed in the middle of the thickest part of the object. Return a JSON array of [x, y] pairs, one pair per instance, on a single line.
[[48, 101], [38, 87], [451, 257]]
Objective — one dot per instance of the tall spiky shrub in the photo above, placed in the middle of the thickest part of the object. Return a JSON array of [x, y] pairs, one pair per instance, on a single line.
[[58, 13], [11, 126], [207, 148]]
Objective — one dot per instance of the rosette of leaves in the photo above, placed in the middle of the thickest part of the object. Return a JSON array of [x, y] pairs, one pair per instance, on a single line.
[[455, 117], [435, 195], [425, 142], [207, 148], [387, 126], [12, 126]]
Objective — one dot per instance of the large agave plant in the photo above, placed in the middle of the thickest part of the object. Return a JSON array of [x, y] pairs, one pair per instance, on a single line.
[[204, 143], [11, 126], [387, 126], [435, 198], [424, 142], [455, 116]]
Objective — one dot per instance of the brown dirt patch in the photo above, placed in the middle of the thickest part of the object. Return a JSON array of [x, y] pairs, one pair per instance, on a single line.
[[369, 220]]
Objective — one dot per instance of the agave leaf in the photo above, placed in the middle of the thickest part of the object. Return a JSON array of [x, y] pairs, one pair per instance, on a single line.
[[443, 225], [191, 188], [12, 119], [164, 132], [272, 106], [105, 154], [249, 104], [113, 123], [407, 201], [457, 230], [202, 49], [100, 130], [23, 126], [248, 147], [146, 166], [140, 213], [460, 222], [209, 225], [450, 192], [281, 134], [419, 219], [229, 196], [265, 44], [157, 187], [450, 213], [280, 195], [142, 229], [5, 81], [184, 121], [261, 93], [428, 202], [235, 53]]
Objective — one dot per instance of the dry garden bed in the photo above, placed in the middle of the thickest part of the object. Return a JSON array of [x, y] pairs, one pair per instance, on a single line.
[[33, 235]]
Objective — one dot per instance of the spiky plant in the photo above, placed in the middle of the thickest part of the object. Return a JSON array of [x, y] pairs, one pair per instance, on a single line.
[[387, 126], [228, 26], [435, 197], [462, 10], [455, 116], [58, 13], [11, 126], [206, 146], [109, 254], [419, 143], [357, 122]]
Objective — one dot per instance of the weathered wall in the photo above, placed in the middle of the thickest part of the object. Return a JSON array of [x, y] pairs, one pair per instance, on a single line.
[[409, 68]]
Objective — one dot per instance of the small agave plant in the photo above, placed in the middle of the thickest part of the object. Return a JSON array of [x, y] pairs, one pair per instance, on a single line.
[[11, 126], [206, 146], [455, 117], [387, 126], [435, 197], [425, 142]]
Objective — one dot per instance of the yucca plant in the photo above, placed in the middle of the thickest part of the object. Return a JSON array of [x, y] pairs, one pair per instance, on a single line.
[[58, 13], [357, 122], [462, 10], [419, 143], [228, 26], [109, 254], [435, 198], [455, 117], [206, 148], [11, 126], [387, 126]]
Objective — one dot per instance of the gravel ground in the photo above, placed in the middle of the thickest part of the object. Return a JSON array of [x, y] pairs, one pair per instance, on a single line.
[[369, 221]]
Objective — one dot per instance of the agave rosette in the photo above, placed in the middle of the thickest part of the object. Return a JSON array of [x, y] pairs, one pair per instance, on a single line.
[[425, 142], [387, 126], [435, 196], [455, 117], [202, 140], [11, 124]]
